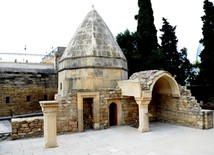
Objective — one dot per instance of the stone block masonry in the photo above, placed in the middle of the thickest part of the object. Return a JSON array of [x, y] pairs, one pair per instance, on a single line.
[[27, 127], [21, 92], [182, 111], [67, 117]]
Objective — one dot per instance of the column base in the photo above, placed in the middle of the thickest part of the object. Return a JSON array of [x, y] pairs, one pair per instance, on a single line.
[[141, 129], [46, 146], [96, 126]]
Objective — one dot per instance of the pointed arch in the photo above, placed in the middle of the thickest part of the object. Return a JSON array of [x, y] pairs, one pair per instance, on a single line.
[[165, 83]]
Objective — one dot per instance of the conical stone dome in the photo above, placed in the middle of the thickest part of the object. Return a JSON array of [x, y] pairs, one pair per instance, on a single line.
[[92, 57], [93, 40]]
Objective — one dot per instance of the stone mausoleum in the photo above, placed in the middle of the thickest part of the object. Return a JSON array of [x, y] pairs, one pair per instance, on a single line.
[[94, 91]]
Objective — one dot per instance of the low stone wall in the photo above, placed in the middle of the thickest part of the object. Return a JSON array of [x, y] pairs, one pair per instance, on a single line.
[[208, 119], [27, 127]]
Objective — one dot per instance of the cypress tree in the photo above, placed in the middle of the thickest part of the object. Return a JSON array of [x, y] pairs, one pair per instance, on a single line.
[[207, 54], [147, 42], [169, 48], [174, 62]]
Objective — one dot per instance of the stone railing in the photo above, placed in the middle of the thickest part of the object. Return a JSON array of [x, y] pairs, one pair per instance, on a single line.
[[27, 127]]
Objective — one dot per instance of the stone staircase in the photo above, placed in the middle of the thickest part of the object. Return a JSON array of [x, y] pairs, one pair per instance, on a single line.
[[191, 101]]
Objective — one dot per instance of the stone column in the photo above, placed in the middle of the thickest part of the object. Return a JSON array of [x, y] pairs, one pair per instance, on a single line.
[[143, 114], [49, 109]]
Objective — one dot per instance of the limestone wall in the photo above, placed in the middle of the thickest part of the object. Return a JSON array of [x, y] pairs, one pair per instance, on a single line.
[[184, 111], [27, 127], [21, 92], [89, 78], [164, 107], [67, 117], [104, 106], [176, 111], [130, 111]]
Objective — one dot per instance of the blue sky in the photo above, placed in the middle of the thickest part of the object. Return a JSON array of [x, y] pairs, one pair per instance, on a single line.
[[43, 24]]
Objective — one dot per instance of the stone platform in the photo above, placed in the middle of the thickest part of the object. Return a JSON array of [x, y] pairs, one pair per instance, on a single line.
[[163, 139]]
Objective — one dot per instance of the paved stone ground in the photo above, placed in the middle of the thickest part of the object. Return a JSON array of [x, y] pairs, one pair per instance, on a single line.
[[5, 130], [5, 126], [163, 139]]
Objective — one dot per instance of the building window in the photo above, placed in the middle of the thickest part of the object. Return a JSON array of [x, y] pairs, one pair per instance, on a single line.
[[45, 97], [7, 100], [28, 98]]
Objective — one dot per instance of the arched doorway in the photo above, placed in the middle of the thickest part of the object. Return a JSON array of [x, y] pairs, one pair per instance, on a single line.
[[113, 114]]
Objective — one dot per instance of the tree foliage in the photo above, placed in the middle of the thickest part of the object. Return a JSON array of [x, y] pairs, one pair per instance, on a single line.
[[128, 44], [169, 47], [143, 52], [147, 42], [207, 54], [174, 62], [186, 73]]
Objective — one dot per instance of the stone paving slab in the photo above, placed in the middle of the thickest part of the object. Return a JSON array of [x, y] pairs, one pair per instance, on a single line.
[[163, 139], [5, 126]]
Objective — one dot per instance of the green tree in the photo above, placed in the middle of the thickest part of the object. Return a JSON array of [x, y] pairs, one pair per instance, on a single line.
[[147, 42], [169, 47], [187, 71], [128, 44], [207, 54], [174, 62]]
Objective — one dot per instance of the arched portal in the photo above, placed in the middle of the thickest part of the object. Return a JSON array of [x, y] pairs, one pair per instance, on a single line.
[[152, 86], [163, 99], [113, 114]]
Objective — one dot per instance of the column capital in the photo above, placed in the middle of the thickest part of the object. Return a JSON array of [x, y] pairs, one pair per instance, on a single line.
[[143, 101], [49, 106]]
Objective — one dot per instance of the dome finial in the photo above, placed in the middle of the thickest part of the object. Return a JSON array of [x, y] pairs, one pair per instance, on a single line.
[[93, 6]]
